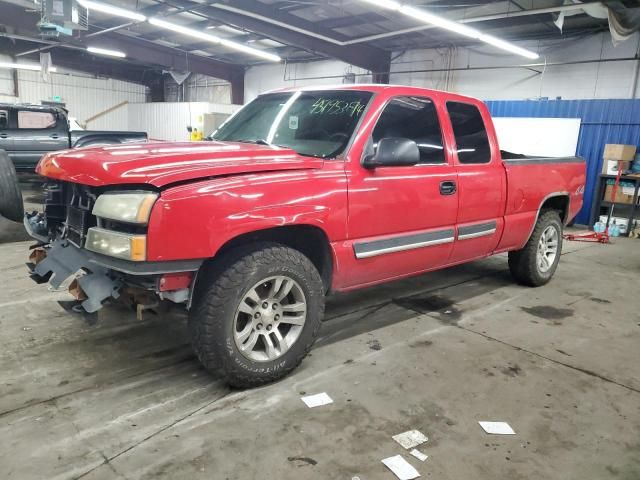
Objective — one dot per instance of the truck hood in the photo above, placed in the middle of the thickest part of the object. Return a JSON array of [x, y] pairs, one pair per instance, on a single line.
[[161, 164]]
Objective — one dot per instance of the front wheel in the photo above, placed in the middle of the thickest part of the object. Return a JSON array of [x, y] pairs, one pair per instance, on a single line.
[[256, 313], [536, 263]]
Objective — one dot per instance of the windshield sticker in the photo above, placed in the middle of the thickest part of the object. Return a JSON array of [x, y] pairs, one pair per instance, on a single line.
[[293, 122], [330, 106]]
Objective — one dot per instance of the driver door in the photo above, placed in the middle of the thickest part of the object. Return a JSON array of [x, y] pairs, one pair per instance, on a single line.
[[402, 218]]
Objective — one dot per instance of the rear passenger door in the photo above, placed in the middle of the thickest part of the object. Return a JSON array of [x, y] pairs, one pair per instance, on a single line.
[[402, 218], [481, 182], [38, 132]]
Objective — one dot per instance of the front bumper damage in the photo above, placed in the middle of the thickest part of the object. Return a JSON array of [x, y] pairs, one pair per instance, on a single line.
[[64, 260], [98, 278]]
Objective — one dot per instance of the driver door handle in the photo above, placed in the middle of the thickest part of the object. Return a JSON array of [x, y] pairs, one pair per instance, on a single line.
[[448, 187]]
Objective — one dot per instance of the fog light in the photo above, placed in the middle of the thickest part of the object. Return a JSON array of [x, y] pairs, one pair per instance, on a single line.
[[116, 244]]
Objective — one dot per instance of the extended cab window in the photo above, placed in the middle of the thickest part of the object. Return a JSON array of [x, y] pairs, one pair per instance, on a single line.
[[314, 123], [470, 133], [414, 118], [4, 119], [36, 120]]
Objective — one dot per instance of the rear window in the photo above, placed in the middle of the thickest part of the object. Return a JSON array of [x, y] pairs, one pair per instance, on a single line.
[[471, 136], [36, 120]]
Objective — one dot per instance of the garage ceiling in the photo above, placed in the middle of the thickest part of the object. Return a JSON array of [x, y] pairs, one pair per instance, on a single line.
[[296, 30]]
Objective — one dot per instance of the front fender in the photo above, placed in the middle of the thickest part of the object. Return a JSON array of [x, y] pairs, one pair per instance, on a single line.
[[196, 220]]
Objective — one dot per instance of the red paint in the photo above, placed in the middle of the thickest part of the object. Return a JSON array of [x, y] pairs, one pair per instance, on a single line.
[[175, 281], [213, 192]]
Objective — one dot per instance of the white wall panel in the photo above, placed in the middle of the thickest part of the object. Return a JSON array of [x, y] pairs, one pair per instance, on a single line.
[[169, 121], [84, 96], [578, 81], [272, 76]]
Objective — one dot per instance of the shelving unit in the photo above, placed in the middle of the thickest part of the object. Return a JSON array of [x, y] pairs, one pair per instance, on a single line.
[[624, 210]]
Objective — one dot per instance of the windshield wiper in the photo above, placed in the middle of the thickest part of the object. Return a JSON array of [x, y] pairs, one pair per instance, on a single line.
[[257, 141]]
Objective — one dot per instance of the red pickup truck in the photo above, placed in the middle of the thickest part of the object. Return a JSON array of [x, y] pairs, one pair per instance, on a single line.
[[301, 193]]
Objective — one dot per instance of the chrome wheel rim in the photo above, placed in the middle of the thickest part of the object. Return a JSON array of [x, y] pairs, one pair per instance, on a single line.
[[547, 249], [269, 318]]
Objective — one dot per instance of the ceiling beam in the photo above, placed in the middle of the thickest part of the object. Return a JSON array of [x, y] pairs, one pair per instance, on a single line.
[[84, 62], [146, 52], [364, 56]]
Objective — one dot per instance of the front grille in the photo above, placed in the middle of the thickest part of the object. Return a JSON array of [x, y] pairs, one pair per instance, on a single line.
[[68, 211]]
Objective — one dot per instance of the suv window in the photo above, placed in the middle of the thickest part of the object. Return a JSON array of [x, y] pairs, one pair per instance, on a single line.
[[414, 118], [470, 133], [36, 120]]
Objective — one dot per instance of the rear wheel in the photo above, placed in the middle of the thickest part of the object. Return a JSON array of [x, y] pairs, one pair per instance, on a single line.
[[11, 205], [536, 263], [256, 314]]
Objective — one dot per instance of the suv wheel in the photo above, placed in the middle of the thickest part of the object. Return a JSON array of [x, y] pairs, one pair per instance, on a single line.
[[256, 313], [536, 263]]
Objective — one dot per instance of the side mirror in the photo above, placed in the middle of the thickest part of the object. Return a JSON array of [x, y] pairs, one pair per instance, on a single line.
[[393, 152]]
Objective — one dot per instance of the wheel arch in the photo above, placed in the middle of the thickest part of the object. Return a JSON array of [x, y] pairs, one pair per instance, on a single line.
[[310, 240], [559, 201]]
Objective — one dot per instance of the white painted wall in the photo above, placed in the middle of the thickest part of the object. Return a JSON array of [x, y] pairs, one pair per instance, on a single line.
[[84, 96], [169, 120], [593, 80]]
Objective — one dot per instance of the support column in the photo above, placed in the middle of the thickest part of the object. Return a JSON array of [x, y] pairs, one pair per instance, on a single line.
[[237, 88]]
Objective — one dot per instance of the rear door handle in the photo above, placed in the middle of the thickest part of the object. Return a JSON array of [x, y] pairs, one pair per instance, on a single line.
[[55, 136], [447, 187], [4, 135]]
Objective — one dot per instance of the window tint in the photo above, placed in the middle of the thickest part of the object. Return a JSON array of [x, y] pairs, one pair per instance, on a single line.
[[30, 119], [416, 119], [4, 119], [471, 136]]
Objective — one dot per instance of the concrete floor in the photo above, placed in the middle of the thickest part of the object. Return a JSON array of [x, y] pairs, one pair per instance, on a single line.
[[127, 399]]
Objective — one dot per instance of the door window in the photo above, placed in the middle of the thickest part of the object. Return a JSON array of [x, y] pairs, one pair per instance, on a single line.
[[414, 118], [470, 133], [4, 119], [36, 120]]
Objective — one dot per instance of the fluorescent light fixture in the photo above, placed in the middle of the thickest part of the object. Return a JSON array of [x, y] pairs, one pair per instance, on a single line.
[[112, 10], [105, 51], [24, 66], [190, 32], [452, 26]]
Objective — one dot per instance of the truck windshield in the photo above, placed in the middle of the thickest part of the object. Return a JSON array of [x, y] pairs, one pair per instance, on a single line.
[[313, 123]]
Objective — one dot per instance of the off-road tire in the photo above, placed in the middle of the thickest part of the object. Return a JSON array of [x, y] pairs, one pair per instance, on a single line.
[[222, 284], [523, 263], [11, 205]]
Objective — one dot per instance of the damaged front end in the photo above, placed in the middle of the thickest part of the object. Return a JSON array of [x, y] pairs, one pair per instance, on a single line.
[[101, 247]]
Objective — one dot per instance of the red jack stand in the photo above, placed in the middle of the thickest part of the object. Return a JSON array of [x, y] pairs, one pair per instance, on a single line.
[[594, 236], [587, 237]]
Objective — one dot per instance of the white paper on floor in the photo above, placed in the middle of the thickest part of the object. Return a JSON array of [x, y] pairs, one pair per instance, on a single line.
[[410, 439], [401, 468], [419, 455], [317, 400], [497, 428]]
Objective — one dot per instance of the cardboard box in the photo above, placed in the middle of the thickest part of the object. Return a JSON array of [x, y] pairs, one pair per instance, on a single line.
[[614, 151], [610, 167], [624, 193]]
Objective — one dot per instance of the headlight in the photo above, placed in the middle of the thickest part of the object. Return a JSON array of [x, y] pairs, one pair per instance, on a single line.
[[116, 244], [132, 207]]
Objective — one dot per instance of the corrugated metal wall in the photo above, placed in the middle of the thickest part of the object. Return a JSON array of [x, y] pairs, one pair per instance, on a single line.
[[84, 96], [603, 121]]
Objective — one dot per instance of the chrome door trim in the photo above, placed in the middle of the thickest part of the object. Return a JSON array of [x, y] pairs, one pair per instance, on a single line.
[[402, 243], [477, 230]]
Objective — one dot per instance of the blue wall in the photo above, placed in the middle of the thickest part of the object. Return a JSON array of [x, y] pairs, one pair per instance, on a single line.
[[603, 121]]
